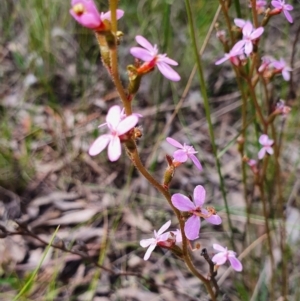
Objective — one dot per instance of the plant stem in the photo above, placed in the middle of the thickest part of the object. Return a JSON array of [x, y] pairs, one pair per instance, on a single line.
[[114, 60], [186, 256], [257, 107], [208, 114], [254, 13], [280, 210], [266, 218], [238, 8], [227, 19]]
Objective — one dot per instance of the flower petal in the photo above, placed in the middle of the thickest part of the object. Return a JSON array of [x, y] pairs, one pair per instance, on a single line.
[[141, 54], [263, 139], [239, 22], [257, 33], [163, 228], [237, 48], [261, 153], [182, 202], [163, 237], [145, 43], [248, 47], [288, 7], [113, 116], [270, 150], [215, 219], [99, 145], [192, 227], [286, 75], [180, 156], [196, 161], [219, 248], [168, 72], [199, 195], [247, 29], [174, 142], [219, 258], [127, 124], [235, 263], [147, 242], [276, 4], [222, 60], [87, 19], [149, 251], [114, 149], [167, 60], [178, 236], [107, 16]]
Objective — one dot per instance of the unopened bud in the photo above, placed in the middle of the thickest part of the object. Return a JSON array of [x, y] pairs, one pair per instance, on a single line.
[[169, 174]]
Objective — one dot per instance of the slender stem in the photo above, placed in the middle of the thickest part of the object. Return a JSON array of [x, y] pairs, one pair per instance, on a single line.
[[186, 256], [242, 151], [134, 155], [257, 106], [244, 110], [208, 114], [280, 210], [238, 8], [254, 13], [114, 60], [227, 19], [202, 278], [266, 218]]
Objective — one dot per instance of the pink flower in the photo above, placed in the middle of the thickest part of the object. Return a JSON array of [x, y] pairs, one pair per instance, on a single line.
[[221, 34], [86, 13], [225, 255], [266, 62], [232, 55], [193, 224], [252, 162], [282, 109], [266, 146], [253, 165], [184, 152], [260, 6], [160, 239], [249, 35], [280, 66], [281, 6], [150, 55], [118, 127]]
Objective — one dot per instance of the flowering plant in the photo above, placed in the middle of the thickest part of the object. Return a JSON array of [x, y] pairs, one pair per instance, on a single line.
[[243, 50]]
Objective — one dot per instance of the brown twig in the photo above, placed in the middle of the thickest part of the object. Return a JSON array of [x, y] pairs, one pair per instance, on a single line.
[[212, 272]]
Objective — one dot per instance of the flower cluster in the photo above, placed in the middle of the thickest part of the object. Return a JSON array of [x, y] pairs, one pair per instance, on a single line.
[[243, 51], [251, 36], [169, 239]]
